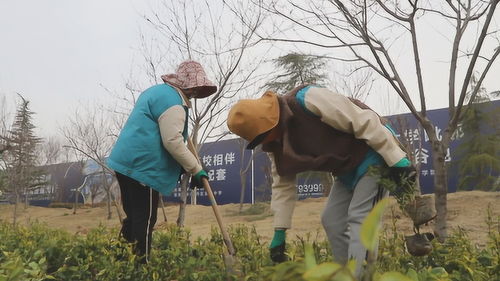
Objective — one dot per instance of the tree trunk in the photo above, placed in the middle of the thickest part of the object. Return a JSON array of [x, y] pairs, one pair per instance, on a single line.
[[182, 206], [26, 202], [163, 208], [108, 203], [114, 186], [76, 201], [108, 193], [440, 190], [243, 177], [15, 209], [118, 211]]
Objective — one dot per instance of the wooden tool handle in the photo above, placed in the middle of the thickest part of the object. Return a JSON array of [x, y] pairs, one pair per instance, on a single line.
[[206, 185], [225, 234]]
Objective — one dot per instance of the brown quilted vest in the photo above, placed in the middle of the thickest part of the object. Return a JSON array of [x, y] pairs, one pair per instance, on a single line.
[[308, 144]]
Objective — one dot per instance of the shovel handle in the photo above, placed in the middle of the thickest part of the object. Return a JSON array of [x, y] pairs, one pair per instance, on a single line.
[[215, 208], [225, 235]]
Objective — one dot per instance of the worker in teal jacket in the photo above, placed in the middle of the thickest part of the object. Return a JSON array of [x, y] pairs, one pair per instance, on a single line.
[[151, 151]]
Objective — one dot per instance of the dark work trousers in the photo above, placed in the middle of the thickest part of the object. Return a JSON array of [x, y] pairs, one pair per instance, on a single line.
[[140, 204]]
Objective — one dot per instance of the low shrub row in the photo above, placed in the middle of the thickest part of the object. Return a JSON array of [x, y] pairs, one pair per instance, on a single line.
[[40, 253]]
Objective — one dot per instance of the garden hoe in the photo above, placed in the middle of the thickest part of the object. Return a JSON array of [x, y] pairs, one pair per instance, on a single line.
[[230, 257]]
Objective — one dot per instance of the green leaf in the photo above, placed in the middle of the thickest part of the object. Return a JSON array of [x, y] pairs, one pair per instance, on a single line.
[[282, 269], [439, 272], [371, 225], [376, 276], [321, 272], [343, 275], [34, 265], [412, 274], [351, 265], [309, 257], [394, 276], [16, 273]]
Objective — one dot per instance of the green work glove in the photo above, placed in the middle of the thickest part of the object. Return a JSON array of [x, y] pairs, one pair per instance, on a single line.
[[402, 170], [405, 162], [197, 178], [277, 247]]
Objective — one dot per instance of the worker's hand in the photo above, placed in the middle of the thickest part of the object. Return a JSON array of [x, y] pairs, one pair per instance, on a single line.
[[196, 180], [403, 170], [403, 174], [277, 247]]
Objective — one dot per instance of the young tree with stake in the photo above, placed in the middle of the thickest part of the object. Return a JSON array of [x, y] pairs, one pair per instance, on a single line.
[[372, 33]]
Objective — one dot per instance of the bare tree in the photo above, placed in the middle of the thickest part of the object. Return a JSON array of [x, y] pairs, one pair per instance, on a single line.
[[88, 133], [81, 165], [50, 151], [4, 123], [356, 84], [4, 145], [373, 33], [204, 32]]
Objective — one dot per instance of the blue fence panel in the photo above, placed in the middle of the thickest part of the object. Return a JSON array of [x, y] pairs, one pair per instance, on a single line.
[[222, 161], [407, 127]]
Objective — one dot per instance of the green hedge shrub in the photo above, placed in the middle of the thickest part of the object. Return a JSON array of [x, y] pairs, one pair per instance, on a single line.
[[40, 253]]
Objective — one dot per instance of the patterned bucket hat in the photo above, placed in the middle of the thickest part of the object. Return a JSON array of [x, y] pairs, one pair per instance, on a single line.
[[189, 75]]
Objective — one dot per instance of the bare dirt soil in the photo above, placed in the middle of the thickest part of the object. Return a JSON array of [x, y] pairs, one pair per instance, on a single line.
[[467, 210]]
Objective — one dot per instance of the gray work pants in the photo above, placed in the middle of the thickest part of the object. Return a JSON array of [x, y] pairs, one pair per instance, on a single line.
[[343, 215]]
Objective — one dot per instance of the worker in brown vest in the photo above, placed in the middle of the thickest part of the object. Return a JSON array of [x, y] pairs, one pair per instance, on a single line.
[[314, 129]]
